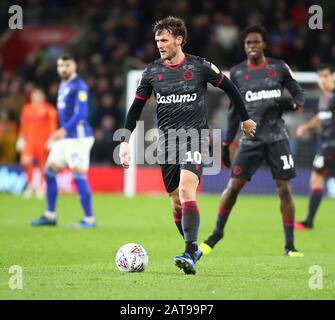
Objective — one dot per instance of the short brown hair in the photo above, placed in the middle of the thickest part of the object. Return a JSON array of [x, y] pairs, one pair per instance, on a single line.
[[176, 26]]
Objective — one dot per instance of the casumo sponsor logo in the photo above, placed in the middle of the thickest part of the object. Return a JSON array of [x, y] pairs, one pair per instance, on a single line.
[[263, 94], [176, 98]]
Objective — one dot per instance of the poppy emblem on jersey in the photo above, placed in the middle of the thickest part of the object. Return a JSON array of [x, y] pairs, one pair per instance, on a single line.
[[272, 73], [246, 77], [188, 75], [237, 170], [197, 167], [159, 76]]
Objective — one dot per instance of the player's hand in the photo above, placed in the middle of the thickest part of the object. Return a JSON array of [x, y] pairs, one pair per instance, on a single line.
[[58, 134], [124, 155], [302, 131], [49, 144], [286, 104], [20, 144], [249, 127], [225, 155]]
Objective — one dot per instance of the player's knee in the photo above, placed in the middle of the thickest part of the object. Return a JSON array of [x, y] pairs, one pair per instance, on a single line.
[[79, 176], [186, 194], [50, 172], [234, 187], [284, 191]]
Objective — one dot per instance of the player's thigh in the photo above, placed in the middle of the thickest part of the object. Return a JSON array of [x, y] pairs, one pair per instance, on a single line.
[[57, 157], [279, 158], [77, 153], [27, 155], [41, 156], [324, 162], [171, 177], [317, 180], [188, 184], [247, 160], [175, 200]]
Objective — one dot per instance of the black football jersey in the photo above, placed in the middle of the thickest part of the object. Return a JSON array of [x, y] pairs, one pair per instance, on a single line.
[[260, 86], [327, 118], [180, 91]]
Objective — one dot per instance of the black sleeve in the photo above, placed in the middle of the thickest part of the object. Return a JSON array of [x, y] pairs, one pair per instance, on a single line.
[[133, 115], [144, 88], [293, 86], [235, 97], [233, 125]]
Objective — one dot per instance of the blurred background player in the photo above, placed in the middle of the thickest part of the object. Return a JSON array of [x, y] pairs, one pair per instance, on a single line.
[[261, 80], [173, 78], [324, 162], [38, 120], [73, 142]]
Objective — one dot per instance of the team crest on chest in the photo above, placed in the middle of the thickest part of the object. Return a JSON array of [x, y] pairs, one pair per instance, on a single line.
[[272, 73], [188, 75]]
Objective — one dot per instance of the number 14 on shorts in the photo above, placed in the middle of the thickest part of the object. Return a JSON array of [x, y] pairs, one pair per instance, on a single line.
[[287, 161]]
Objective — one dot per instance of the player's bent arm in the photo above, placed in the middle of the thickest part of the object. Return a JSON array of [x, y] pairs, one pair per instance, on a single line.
[[293, 87], [248, 125], [229, 87], [80, 111]]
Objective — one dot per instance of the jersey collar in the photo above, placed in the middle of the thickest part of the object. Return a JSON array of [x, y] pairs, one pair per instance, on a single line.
[[261, 66], [176, 66]]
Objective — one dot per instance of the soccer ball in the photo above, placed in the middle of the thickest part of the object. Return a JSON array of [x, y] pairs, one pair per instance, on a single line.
[[131, 257]]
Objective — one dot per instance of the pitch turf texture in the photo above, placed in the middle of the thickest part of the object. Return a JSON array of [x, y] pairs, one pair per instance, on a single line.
[[59, 263]]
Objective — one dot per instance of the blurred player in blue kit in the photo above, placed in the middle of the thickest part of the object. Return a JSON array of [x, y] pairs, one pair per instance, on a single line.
[[72, 145]]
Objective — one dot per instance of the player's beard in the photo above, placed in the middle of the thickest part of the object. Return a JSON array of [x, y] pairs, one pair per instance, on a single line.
[[65, 76]]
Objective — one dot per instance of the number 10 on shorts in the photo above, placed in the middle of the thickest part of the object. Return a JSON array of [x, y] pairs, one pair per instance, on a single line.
[[196, 157], [288, 162]]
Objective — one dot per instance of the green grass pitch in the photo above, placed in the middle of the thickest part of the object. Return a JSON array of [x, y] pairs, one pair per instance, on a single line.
[[60, 263]]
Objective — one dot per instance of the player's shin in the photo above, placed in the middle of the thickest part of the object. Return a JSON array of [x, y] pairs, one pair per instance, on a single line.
[[177, 216], [314, 203], [190, 224], [85, 196], [52, 192], [288, 224], [221, 221]]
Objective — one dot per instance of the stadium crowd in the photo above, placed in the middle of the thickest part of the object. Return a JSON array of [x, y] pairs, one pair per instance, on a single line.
[[117, 36]]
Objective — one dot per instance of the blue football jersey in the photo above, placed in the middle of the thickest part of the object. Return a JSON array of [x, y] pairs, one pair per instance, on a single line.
[[72, 105]]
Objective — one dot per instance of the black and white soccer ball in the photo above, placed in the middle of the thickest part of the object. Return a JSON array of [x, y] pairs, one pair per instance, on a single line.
[[131, 257]]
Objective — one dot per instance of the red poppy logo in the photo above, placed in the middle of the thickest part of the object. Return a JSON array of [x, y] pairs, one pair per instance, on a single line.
[[237, 170], [272, 73], [188, 75], [160, 76], [246, 77]]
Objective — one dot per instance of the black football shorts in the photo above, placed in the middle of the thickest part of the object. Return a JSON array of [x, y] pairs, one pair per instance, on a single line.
[[324, 162], [277, 156]]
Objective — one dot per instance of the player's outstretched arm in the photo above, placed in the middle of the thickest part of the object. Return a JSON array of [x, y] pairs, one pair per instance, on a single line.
[[133, 115], [248, 125], [312, 124]]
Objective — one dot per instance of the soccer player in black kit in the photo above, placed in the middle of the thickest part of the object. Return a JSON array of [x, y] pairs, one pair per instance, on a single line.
[[179, 82], [324, 161], [261, 81]]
